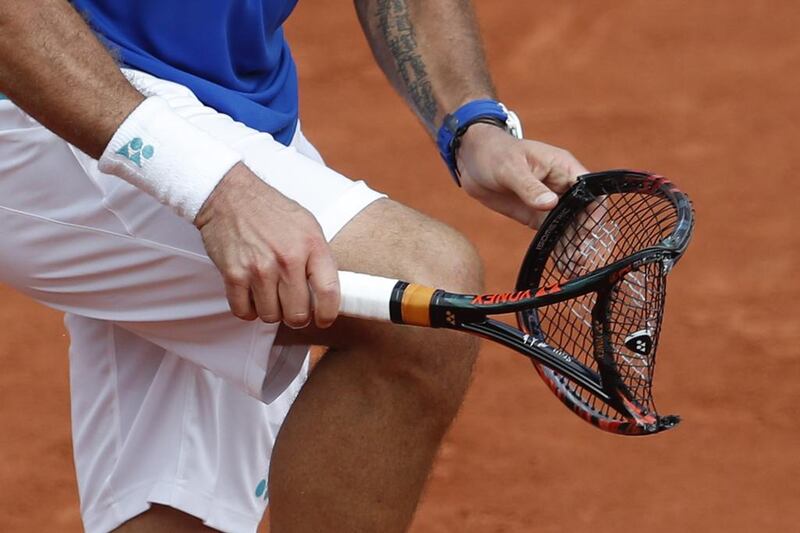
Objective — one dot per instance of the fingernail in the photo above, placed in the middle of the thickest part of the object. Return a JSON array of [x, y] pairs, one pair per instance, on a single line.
[[545, 199]]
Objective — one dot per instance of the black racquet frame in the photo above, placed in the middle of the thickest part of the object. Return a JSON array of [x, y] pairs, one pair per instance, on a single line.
[[429, 307]]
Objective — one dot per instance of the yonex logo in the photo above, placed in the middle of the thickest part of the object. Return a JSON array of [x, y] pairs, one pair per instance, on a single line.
[[640, 342], [135, 150]]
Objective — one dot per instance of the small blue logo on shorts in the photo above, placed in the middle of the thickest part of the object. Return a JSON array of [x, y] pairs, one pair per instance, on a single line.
[[261, 489], [135, 150]]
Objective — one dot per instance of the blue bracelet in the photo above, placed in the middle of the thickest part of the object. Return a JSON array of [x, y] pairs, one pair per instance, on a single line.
[[456, 124]]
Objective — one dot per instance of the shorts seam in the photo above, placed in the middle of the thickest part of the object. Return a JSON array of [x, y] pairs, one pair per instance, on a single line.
[[111, 338], [108, 482], [76, 155], [180, 459], [100, 191], [142, 241]]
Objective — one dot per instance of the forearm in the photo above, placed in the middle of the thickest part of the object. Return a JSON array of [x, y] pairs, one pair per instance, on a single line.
[[431, 52], [53, 67]]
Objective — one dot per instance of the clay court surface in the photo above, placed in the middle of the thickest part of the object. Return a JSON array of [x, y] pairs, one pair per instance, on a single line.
[[704, 92]]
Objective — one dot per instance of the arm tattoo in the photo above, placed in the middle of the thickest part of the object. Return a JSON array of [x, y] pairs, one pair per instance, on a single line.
[[394, 23]]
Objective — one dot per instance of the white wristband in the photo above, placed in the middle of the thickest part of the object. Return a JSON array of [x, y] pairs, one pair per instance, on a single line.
[[164, 155]]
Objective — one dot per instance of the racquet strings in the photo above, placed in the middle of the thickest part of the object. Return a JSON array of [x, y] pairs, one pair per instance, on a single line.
[[607, 230]]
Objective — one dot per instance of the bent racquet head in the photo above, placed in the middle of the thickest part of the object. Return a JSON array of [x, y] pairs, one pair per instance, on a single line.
[[632, 227], [589, 298]]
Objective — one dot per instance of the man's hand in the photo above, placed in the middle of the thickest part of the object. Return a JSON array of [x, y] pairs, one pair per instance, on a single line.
[[270, 251], [518, 178]]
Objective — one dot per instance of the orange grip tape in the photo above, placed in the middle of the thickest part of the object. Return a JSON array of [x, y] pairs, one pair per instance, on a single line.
[[415, 308]]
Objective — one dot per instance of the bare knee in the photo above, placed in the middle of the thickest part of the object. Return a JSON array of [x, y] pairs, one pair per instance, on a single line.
[[392, 240], [438, 363], [447, 261], [433, 367], [430, 369]]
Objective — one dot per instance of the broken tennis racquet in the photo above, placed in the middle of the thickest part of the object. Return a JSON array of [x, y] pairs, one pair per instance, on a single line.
[[589, 297]]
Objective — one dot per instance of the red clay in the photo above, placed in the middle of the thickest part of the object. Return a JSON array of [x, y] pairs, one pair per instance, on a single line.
[[703, 92]]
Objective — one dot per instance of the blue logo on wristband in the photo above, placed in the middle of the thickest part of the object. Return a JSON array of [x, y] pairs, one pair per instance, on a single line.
[[135, 150]]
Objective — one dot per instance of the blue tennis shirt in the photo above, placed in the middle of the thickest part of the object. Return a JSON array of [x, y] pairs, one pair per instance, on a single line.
[[231, 53]]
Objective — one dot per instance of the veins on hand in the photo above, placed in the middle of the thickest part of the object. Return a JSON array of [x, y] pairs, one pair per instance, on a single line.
[[394, 23]]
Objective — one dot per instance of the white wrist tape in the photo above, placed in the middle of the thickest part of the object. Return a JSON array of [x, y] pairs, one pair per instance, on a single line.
[[164, 155]]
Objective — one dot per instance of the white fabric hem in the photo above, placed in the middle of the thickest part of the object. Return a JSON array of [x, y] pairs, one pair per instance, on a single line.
[[210, 509]]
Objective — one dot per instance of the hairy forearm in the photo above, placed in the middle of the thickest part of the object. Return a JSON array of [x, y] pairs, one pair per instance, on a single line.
[[431, 52], [53, 67]]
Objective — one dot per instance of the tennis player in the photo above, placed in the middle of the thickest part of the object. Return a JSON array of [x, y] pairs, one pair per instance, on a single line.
[[155, 185]]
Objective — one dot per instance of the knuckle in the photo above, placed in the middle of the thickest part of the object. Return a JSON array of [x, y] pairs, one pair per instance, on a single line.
[[328, 289], [316, 240], [291, 259], [561, 156], [236, 276], [263, 269]]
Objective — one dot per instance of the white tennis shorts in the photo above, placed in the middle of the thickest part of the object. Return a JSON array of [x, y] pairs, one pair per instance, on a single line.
[[174, 400]]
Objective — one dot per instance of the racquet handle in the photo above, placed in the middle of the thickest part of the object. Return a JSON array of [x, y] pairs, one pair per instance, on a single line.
[[385, 299], [365, 296]]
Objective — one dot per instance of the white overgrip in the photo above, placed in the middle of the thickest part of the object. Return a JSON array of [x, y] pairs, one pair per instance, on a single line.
[[365, 296]]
